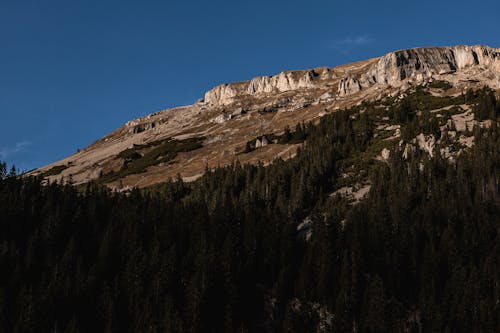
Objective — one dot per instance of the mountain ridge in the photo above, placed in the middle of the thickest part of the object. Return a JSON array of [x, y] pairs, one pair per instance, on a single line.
[[385, 71], [234, 114]]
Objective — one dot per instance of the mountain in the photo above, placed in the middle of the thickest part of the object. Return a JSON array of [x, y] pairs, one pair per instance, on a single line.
[[386, 219], [234, 118]]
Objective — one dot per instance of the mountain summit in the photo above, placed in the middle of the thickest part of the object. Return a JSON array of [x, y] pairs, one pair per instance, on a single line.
[[248, 121]]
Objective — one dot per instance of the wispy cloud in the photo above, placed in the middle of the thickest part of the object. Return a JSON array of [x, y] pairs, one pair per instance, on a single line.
[[5, 152], [346, 44]]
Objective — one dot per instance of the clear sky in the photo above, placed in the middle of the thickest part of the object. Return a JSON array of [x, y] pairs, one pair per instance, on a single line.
[[73, 71]]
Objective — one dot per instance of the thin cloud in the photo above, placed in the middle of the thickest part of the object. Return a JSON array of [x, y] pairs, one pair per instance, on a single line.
[[359, 40], [17, 148], [346, 45]]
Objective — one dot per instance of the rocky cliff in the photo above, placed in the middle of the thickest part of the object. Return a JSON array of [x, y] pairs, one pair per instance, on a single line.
[[423, 63], [285, 81], [393, 69]]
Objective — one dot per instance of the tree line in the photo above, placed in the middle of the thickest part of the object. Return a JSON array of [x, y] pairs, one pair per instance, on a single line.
[[223, 254]]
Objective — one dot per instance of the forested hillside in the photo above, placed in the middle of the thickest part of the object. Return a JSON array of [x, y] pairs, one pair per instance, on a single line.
[[273, 248]]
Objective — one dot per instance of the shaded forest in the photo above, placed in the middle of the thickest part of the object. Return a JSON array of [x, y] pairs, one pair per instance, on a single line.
[[223, 254]]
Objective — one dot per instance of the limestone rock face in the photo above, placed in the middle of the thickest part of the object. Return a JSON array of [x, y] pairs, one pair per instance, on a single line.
[[285, 81], [348, 86], [426, 143], [392, 69], [222, 94], [420, 64], [477, 55]]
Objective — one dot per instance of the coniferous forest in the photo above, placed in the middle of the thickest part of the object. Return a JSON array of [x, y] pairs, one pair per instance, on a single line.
[[223, 254]]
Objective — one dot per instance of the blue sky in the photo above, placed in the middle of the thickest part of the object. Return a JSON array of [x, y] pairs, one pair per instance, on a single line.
[[73, 71]]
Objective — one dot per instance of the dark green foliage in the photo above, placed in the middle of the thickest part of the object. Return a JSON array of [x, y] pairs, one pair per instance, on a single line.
[[422, 100], [140, 157], [249, 147], [298, 136], [131, 153], [223, 254], [286, 137], [55, 170], [437, 84], [404, 112], [487, 107], [3, 170], [413, 111]]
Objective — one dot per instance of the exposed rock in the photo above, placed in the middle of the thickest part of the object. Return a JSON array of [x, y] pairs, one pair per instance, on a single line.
[[355, 193], [408, 151], [467, 141], [285, 81], [394, 69], [258, 143], [284, 100], [385, 154], [238, 112], [485, 123], [420, 64], [262, 142], [223, 94], [463, 121], [327, 97], [305, 228], [349, 86], [142, 127], [392, 127], [426, 143], [220, 119]]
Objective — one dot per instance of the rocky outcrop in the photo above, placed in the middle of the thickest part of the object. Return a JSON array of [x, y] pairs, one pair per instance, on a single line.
[[349, 85], [224, 93], [420, 64], [426, 143], [142, 127], [285, 81]]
